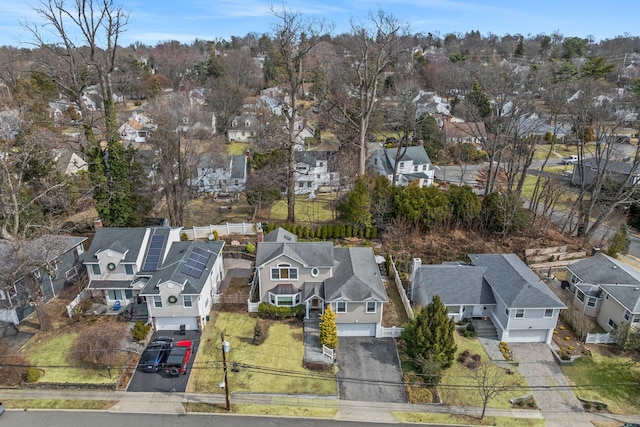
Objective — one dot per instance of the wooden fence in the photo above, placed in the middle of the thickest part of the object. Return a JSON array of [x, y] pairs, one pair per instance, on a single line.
[[395, 277]]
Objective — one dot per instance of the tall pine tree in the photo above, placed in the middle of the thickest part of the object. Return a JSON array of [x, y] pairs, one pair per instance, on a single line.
[[429, 336]]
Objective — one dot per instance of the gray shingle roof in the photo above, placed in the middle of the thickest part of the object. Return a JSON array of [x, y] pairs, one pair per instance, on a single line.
[[514, 283], [280, 235], [175, 260], [416, 153], [455, 284], [316, 254], [627, 295], [601, 269], [122, 240], [356, 277], [238, 167]]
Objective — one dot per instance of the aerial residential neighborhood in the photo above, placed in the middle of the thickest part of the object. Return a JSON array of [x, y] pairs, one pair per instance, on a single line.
[[375, 224]]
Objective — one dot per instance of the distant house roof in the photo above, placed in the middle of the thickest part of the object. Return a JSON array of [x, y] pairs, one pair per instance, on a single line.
[[454, 284], [312, 157], [514, 283], [464, 130], [280, 235], [384, 160]]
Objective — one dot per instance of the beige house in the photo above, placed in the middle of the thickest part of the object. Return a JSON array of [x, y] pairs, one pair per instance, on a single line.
[[314, 274]]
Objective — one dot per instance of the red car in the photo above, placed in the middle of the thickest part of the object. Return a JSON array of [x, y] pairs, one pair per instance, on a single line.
[[178, 358]]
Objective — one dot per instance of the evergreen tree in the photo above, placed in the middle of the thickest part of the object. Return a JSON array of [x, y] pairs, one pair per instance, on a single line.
[[519, 52], [328, 328], [479, 99], [429, 338], [355, 208], [619, 242]]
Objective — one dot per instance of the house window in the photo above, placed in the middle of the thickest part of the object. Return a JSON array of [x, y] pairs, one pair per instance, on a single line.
[[519, 313], [636, 319], [315, 272], [341, 307], [285, 300], [236, 182], [548, 312], [128, 294], [415, 168], [453, 309], [115, 294], [321, 164], [186, 301], [613, 324], [574, 279], [96, 269], [54, 264], [627, 315], [506, 311], [317, 176], [591, 302], [157, 301], [580, 296], [371, 306], [71, 273], [301, 184], [284, 272], [401, 165], [424, 167], [80, 249], [128, 269]]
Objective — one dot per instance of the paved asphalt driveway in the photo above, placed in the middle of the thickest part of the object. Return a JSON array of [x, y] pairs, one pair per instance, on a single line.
[[369, 370], [161, 381], [549, 385]]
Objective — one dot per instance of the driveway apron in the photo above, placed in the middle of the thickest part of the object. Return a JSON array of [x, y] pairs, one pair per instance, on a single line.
[[550, 388], [369, 370]]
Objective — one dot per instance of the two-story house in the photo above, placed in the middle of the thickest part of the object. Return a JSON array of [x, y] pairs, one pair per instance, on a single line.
[[496, 286], [315, 274], [316, 172], [136, 130], [606, 289], [151, 266], [243, 128], [220, 174], [409, 164], [45, 265], [455, 132]]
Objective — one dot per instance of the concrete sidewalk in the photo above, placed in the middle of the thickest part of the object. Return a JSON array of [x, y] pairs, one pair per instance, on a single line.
[[172, 403]]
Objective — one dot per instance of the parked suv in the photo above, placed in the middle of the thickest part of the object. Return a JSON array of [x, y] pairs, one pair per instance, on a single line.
[[573, 159], [154, 356], [178, 358]]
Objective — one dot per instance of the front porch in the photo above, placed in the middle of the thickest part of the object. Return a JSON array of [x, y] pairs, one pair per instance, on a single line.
[[132, 312]]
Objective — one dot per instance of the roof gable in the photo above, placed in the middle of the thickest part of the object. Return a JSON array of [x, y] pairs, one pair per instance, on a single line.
[[455, 284], [356, 277]]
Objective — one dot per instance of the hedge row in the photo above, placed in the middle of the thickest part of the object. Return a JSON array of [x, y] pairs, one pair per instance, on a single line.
[[327, 231]]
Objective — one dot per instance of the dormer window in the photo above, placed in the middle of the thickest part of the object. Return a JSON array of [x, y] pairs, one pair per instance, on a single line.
[[234, 123], [247, 124], [401, 165]]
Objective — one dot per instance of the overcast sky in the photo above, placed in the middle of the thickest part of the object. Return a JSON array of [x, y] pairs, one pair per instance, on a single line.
[[153, 21]]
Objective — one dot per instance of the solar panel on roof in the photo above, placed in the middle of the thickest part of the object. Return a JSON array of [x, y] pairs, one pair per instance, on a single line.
[[154, 253], [196, 263]]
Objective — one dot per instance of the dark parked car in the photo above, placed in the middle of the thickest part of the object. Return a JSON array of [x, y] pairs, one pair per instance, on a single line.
[[154, 356], [176, 362]]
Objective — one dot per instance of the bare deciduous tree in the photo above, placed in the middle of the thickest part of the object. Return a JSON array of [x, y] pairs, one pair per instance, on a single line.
[[102, 343], [491, 381]]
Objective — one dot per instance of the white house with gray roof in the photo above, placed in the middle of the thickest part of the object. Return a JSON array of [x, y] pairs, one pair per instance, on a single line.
[[316, 172], [175, 280], [606, 289], [410, 164], [220, 174], [314, 274], [496, 286]]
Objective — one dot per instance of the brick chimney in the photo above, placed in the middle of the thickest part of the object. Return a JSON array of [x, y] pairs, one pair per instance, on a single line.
[[259, 235], [97, 223]]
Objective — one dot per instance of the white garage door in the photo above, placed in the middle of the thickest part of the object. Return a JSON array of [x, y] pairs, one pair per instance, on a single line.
[[527, 335], [173, 323], [356, 329]]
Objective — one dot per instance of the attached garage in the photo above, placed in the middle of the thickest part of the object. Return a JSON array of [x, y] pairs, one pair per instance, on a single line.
[[527, 335], [173, 323], [356, 329]]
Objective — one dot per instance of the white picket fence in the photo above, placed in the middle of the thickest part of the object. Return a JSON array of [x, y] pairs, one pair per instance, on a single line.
[[83, 295], [600, 339], [226, 229], [328, 352], [392, 332]]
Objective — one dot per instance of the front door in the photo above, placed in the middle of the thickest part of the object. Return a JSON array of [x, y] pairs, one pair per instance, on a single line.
[[315, 303]]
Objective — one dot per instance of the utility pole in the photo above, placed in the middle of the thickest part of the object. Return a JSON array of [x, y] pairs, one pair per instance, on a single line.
[[225, 349]]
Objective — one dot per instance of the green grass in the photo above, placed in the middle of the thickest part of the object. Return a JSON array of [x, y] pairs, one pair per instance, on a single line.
[[459, 375], [50, 353], [275, 366], [237, 148], [269, 410], [611, 378], [58, 404], [439, 418], [308, 212]]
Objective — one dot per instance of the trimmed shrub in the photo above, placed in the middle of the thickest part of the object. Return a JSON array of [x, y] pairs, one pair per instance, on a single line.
[[140, 331], [250, 247], [268, 311], [33, 374], [259, 332]]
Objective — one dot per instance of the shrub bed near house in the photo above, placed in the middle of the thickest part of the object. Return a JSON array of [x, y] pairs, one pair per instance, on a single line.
[[269, 311]]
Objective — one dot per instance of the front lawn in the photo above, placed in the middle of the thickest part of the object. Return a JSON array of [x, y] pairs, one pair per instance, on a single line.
[[608, 378], [49, 352], [275, 366], [459, 388], [439, 418]]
